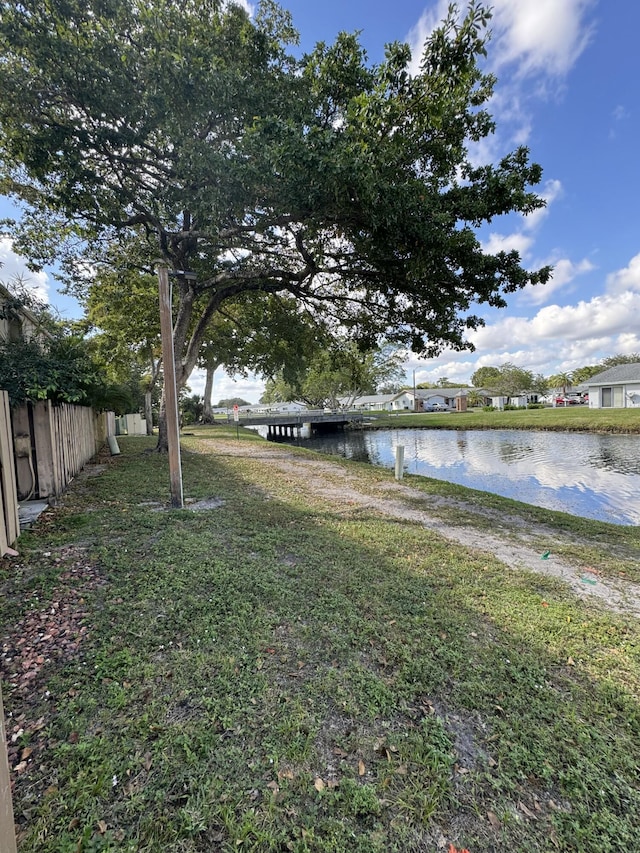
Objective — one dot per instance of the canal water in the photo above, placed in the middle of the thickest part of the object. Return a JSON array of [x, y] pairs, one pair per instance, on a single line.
[[588, 475]]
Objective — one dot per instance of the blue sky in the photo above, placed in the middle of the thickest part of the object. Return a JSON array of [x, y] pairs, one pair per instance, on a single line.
[[568, 74]]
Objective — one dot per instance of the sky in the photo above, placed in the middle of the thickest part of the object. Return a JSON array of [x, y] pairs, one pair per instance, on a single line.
[[568, 88]]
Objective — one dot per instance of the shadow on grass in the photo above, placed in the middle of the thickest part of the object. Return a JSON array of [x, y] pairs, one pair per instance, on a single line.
[[271, 675]]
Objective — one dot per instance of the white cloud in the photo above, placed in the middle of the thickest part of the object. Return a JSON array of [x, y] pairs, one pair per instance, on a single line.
[[535, 37], [551, 191], [558, 338], [602, 315], [564, 272], [13, 267], [625, 279], [507, 243], [540, 36]]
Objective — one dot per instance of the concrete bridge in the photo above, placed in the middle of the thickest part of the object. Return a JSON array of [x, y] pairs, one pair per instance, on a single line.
[[289, 424]]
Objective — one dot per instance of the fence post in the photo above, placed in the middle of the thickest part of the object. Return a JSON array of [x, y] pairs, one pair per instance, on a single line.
[[399, 461]]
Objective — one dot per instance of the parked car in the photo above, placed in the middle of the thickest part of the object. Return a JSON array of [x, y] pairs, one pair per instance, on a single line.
[[568, 401], [435, 407]]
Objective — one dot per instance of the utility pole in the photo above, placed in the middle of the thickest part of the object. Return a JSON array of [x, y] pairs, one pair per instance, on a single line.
[[170, 392]]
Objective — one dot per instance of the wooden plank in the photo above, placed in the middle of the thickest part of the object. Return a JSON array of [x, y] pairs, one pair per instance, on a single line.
[[24, 475], [46, 463], [9, 488]]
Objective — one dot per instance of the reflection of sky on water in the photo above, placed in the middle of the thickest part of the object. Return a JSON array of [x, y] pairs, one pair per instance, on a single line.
[[592, 476]]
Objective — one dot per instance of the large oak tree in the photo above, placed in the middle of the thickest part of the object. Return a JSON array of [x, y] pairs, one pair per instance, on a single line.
[[185, 126]]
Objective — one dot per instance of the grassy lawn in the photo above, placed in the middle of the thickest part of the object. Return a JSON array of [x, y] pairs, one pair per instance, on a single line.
[[580, 418], [278, 672]]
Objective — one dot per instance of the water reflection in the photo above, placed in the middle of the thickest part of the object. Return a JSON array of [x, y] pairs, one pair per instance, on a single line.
[[592, 476]]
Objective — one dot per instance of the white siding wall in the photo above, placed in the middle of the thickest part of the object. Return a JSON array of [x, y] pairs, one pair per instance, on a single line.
[[403, 403], [622, 397]]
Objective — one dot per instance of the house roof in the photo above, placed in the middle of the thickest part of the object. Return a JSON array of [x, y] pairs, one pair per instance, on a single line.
[[619, 374], [374, 398], [427, 393]]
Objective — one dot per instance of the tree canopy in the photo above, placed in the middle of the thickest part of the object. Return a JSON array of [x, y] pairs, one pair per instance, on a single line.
[[335, 375], [508, 380], [186, 132]]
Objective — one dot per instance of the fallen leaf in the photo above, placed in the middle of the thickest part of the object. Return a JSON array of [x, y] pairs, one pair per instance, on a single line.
[[274, 787], [319, 784], [570, 661], [26, 752], [74, 737], [285, 774], [147, 761], [527, 811], [361, 768], [401, 770], [494, 820], [102, 827]]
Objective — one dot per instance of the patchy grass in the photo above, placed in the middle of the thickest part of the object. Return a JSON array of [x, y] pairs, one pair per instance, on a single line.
[[281, 673], [570, 418]]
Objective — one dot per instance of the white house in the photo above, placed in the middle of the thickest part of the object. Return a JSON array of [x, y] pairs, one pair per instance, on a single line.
[[615, 388], [403, 402], [375, 402], [449, 398]]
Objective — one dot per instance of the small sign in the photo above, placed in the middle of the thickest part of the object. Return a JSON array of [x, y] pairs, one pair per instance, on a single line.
[[236, 414]]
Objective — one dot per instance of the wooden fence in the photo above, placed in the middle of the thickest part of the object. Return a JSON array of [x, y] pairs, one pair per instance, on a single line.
[[53, 443], [9, 523]]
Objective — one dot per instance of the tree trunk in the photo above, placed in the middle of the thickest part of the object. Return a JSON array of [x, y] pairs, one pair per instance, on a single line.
[[163, 437], [148, 412], [207, 412]]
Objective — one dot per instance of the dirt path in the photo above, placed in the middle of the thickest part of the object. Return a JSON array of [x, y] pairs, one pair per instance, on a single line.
[[337, 486]]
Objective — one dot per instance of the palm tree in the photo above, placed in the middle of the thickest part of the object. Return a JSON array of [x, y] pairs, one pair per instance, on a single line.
[[561, 381]]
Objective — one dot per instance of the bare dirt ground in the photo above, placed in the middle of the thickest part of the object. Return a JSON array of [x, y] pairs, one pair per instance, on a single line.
[[342, 489]]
